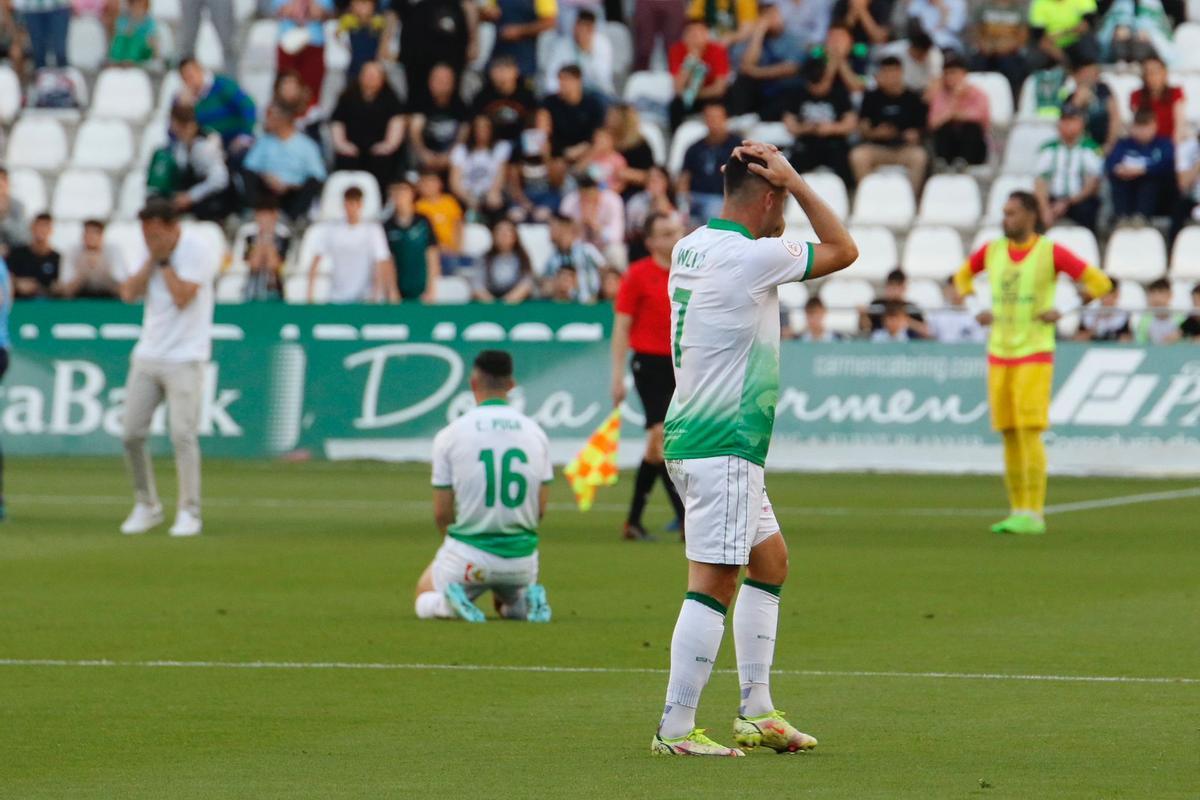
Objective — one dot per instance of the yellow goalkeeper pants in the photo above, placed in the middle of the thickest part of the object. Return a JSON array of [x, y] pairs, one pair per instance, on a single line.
[[1025, 469]]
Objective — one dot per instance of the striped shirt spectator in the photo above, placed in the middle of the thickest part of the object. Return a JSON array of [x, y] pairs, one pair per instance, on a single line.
[[221, 105], [1069, 171]]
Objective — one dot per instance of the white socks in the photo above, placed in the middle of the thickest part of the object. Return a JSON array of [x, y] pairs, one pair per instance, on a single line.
[[755, 620], [433, 605], [694, 648]]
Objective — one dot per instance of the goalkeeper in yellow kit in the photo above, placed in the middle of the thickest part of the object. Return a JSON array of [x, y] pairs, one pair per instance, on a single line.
[[1023, 271]]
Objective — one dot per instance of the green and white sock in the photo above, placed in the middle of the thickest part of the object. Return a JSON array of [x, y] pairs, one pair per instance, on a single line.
[[755, 621], [694, 647]]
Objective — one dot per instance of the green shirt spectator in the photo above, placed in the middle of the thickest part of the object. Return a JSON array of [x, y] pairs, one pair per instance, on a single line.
[[413, 243], [134, 35]]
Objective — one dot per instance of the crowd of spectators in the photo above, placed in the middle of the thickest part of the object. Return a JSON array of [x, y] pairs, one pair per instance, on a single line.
[[538, 134]]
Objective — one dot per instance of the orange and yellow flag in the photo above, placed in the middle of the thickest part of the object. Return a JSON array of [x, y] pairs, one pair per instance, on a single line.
[[596, 464]]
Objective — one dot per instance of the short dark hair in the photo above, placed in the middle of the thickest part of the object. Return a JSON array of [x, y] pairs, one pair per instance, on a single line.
[[183, 62], [183, 113], [94, 223], [890, 61], [1195, 289], [1027, 200], [896, 276], [953, 60], [559, 216], [1144, 116], [918, 39], [160, 209], [571, 69], [353, 193], [496, 367], [266, 202], [892, 308], [586, 15], [652, 220], [43, 217], [503, 60], [739, 177], [814, 303], [1160, 285]]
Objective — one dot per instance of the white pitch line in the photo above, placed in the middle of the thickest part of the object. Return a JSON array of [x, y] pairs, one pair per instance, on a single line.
[[389, 667], [1124, 500]]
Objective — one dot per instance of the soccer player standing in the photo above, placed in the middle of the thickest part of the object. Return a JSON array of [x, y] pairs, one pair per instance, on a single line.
[[725, 351], [491, 476], [642, 323], [1023, 271]]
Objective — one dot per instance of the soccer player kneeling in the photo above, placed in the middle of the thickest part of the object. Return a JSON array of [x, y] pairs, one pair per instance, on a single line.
[[491, 475]]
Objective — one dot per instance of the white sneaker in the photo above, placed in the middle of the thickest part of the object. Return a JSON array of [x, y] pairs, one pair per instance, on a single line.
[[186, 524], [142, 518]]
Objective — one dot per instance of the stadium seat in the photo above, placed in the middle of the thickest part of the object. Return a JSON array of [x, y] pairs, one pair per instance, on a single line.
[[231, 288], [535, 238], [650, 93], [884, 198], [260, 86], [10, 94], [167, 10], [1002, 187], [830, 188], [476, 239], [775, 133], [1136, 254], [1132, 296], [66, 235], [1024, 142], [999, 93], [690, 132], [793, 295], [950, 200], [337, 51], [1185, 255], [984, 235], [132, 196], [933, 252], [477, 331], [37, 142], [622, 49], [1123, 86], [877, 253], [123, 93], [531, 332], [258, 50], [655, 138], [1079, 240], [336, 186], [245, 9], [82, 194], [208, 45], [1191, 96], [213, 237], [1027, 102], [307, 251], [843, 297], [153, 137], [105, 144], [27, 186], [296, 289], [167, 91], [580, 332], [167, 48], [1187, 47], [1067, 302], [87, 43], [1181, 295], [925, 294]]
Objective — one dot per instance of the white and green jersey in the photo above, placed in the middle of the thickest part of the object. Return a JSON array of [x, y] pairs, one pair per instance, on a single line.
[[495, 460], [725, 339]]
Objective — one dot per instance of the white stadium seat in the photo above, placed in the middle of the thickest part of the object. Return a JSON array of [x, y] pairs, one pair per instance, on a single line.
[[454, 290], [1136, 254], [213, 237], [1002, 187], [775, 133], [843, 297], [1123, 87], [258, 51], [127, 237], [123, 93], [622, 49], [335, 187], [1132, 296], [82, 194], [1079, 240], [230, 288], [535, 238], [655, 138], [1191, 96], [245, 9], [87, 43], [999, 94], [167, 49], [337, 51], [308, 250], [1187, 47], [950, 200], [37, 142], [884, 198], [153, 137], [1024, 142], [132, 196], [650, 92], [1069, 303], [208, 45], [830, 188], [167, 10], [10, 94], [66, 235], [877, 253], [27, 186], [793, 295], [167, 91], [925, 294], [986, 234], [932, 252], [1027, 101], [531, 332], [105, 144], [690, 132], [1185, 255], [476, 239]]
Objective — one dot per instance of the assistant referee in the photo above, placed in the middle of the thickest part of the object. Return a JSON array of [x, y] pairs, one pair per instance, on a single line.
[[643, 323]]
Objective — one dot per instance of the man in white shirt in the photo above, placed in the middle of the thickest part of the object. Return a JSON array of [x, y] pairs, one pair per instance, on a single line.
[[176, 280], [954, 323], [587, 48], [360, 263], [491, 476]]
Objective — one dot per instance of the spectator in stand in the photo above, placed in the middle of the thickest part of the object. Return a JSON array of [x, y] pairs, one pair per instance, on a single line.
[[506, 273], [822, 123], [1064, 31], [360, 265], [587, 49], [435, 32], [506, 100], [368, 126], [945, 20], [600, 216], [220, 105], [135, 37], [291, 92], [284, 164], [1164, 100], [94, 269], [654, 199], [769, 69], [571, 253], [518, 25], [1190, 329], [535, 182], [268, 241], [1134, 30], [12, 39], [190, 170], [895, 328], [700, 68], [623, 124], [477, 170], [958, 116], [815, 329], [1094, 99], [365, 31], [1160, 324], [1103, 321], [1069, 170], [35, 266], [895, 290], [998, 37], [45, 23], [731, 21], [921, 62], [14, 228], [806, 21], [652, 20], [413, 244], [892, 127], [222, 16], [1187, 175], [574, 114], [604, 164], [867, 20], [847, 62], [439, 125], [701, 180], [953, 323], [1141, 170], [446, 216], [302, 40]]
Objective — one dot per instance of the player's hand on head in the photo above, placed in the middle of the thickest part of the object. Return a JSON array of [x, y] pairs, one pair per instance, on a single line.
[[778, 170]]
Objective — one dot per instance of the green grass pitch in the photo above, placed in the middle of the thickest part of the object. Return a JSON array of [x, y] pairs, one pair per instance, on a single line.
[[315, 563]]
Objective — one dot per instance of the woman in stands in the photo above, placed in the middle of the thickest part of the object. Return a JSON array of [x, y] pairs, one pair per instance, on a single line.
[[1164, 100], [477, 170], [506, 274]]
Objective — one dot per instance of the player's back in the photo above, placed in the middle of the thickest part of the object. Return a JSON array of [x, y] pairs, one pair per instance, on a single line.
[[494, 459]]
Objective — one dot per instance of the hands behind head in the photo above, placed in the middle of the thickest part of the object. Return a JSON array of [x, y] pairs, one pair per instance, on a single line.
[[778, 170]]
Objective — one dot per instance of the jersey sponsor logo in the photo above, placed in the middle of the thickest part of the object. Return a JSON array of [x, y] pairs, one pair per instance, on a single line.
[[795, 248]]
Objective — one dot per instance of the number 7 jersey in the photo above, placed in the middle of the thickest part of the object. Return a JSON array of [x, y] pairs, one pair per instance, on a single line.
[[725, 339], [495, 460]]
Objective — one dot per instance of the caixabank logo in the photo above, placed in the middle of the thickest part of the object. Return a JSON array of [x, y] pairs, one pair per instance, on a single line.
[[1111, 387]]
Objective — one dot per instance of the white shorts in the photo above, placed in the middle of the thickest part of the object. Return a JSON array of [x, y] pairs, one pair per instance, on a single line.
[[479, 571], [726, 509]]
